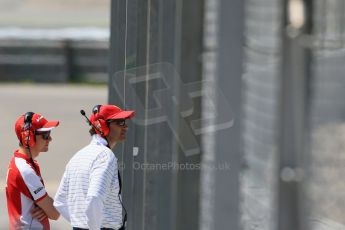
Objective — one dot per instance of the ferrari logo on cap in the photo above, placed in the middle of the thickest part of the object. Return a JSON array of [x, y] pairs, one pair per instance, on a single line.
[[40, 118]]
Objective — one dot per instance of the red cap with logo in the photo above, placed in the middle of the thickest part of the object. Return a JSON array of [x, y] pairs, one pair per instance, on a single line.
[[38, 123], [110, 112]]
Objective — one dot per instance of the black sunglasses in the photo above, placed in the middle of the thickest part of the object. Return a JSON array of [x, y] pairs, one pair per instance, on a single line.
[[45, 135], [119, 122]]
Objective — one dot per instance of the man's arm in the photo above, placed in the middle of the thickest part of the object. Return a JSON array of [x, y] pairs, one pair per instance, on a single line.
[[47, 206], [94, 212], [38, 213], [38, 193], [100, 179], [60, 200]]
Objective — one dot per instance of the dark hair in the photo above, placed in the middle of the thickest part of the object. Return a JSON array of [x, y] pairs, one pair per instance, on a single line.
[[92, 131]]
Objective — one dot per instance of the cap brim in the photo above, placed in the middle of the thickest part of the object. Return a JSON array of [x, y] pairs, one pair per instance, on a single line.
[[123, 115], [49, 126]]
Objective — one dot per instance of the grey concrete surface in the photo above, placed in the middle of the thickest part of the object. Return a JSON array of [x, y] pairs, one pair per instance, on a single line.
[[54, 13], [61, 102]]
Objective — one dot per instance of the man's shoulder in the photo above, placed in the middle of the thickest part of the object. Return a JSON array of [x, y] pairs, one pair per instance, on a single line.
[[22, 173], [13, 172], [97, 150], [22, 166], [108, 153], [92, 152]]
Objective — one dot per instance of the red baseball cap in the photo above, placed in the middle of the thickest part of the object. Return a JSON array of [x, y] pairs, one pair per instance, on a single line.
[[111, 112], [38, 123]]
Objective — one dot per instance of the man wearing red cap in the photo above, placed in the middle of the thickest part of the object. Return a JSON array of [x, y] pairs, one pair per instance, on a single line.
[[89, 195], [28, 203]]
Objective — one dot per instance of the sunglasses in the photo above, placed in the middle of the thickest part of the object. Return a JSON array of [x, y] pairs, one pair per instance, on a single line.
[[45, 135], [119, 122]]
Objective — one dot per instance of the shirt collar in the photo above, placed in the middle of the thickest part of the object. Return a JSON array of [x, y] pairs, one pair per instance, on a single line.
[[21, 155], [98, 140]]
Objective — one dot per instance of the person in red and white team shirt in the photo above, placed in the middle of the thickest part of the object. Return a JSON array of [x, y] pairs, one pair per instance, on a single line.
[[29, 206]]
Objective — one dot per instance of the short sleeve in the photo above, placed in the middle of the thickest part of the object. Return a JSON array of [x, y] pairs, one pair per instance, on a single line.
[[34, 184]]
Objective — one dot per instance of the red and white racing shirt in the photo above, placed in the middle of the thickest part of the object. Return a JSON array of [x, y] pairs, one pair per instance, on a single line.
[[24, 186]]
